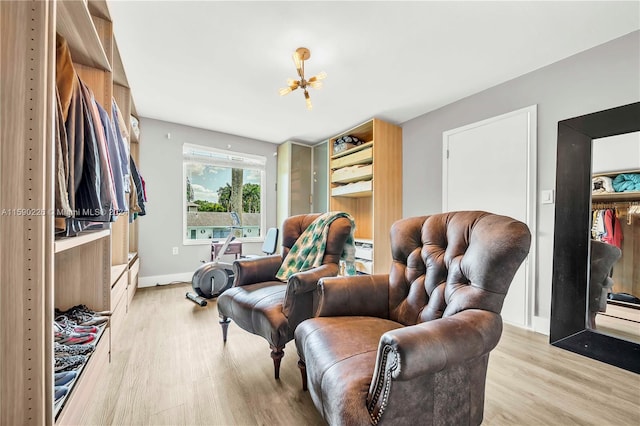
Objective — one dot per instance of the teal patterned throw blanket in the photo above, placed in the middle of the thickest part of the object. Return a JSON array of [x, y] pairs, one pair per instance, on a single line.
[[308, 250]]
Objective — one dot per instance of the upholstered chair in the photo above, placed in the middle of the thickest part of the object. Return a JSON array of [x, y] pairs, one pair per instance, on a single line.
[[602, 258], [263, 305], [412, 347]]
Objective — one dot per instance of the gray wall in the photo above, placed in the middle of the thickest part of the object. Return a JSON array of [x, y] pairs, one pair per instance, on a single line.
[[603, 77], [161, 167]]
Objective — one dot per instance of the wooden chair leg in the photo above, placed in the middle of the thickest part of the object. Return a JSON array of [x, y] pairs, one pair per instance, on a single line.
[[224, 323], [276, 355], [303, 372]]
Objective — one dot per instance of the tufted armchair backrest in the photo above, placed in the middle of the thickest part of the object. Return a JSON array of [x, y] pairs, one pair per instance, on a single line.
[[294, 226], [450, 262]]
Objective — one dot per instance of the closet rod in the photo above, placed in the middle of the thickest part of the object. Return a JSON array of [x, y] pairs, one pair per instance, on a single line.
[[613, 204]]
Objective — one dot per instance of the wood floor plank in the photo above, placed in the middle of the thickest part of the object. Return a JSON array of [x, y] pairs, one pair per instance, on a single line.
[[170, 367]]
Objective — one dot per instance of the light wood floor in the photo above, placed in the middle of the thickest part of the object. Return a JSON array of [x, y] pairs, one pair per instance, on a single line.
[[169, 367]]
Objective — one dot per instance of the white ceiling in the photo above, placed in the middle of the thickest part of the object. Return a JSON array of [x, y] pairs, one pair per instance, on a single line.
[[219, 65]]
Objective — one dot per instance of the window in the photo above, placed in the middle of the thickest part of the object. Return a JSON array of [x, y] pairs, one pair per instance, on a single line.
[[223, 193]]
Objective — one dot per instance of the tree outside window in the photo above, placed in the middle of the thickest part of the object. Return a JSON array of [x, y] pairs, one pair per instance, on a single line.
[[217, 183]]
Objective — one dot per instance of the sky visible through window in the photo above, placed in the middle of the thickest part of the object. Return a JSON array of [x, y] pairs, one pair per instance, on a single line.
[[206, 180]]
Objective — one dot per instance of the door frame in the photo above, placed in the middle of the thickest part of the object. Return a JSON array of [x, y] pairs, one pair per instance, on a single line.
[[530, 263]]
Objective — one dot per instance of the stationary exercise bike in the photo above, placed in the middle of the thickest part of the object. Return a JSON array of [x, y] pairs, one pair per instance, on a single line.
[[213, 278]]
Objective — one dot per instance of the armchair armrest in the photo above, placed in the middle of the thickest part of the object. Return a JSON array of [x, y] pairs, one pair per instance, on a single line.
[[435, 345], [256, 270], [366, 295], [428, 348], [306, 281], [302, 283]]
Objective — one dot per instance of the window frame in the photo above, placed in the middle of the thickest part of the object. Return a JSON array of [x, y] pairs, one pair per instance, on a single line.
[[250, 161]]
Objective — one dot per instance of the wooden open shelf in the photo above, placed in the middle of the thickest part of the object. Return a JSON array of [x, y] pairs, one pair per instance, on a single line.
[[352, 150], [69, 410], [98, 342], [616, 196], [68, 243], [75, 24], [355, 189], [346, 175]]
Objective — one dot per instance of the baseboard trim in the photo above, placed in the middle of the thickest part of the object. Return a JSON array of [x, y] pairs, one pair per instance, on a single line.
[[154, 280], [541, 325]]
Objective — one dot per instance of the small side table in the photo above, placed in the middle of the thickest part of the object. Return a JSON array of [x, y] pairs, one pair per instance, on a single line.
[[235, 247]]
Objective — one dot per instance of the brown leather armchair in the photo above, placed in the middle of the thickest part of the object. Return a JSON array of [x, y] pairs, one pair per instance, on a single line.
[[412, 347], [263, 305]]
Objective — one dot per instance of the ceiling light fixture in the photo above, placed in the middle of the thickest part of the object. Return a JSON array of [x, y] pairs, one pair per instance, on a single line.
[[299, 56]]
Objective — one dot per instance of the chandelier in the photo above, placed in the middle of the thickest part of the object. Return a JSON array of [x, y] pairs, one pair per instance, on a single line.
[[299, 57]]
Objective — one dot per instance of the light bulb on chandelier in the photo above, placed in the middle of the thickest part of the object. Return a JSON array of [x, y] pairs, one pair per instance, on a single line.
[[308, 99]]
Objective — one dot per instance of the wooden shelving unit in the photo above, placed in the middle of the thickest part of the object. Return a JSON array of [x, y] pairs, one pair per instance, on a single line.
[[68, 243], [39, 272], [372, 190]]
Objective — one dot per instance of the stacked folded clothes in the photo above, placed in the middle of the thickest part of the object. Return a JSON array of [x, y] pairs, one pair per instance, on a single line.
[[626, 182], [601, 184]]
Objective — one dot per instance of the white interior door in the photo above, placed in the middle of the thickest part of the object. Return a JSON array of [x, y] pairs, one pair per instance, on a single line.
[[490, 165]]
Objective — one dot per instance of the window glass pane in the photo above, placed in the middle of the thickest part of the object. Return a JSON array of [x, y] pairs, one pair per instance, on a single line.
[[216, 190]]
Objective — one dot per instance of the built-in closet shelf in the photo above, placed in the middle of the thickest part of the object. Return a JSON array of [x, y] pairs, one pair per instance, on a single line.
[[367, 176], [352, 174], [616, 196], [352, 150], [117, 271], [359, 194], [75, 24], [69, 410], [79, 371], [356, 190], [68, 243]]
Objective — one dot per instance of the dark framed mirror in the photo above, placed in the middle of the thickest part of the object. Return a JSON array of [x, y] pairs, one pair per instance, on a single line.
[[572, 237]]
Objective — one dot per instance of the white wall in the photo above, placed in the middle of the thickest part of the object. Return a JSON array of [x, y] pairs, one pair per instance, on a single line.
[[161, 167], [603, 77], [616, 153]]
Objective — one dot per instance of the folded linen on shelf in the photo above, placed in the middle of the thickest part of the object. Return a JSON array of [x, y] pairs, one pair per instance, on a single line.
[[625, 182], [600, 184]]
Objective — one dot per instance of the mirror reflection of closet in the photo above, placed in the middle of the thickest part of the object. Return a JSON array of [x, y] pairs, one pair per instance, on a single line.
[[615, 219]]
